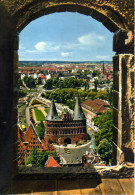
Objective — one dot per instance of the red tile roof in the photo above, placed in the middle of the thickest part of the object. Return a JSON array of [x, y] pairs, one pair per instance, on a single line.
[[94, 107], [101, 102], [21, 135], [29, 133], [52, 162], [43, 77]]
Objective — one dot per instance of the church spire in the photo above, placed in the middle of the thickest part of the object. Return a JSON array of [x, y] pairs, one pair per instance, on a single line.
[[52, 114], [78, 112], [103, 68]]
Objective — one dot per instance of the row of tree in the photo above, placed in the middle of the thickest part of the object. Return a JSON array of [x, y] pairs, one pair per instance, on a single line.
[[103, 137], [29, 81], [67, 96], [66, 83], [40, 128]]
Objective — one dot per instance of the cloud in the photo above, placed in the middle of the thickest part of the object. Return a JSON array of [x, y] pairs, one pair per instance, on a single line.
[[41, 46], [31, 51], [102, 57], [91, 39], [45, 47], [65, 54], [72, 45]]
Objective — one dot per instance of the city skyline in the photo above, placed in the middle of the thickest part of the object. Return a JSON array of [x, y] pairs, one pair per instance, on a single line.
[[65, 37]]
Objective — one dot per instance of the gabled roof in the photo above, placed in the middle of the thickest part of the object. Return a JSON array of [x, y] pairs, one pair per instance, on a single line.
[[52, 114], [101, 102], [94, 107], [21, 135], [29, 133], [78, 112], [52, 162]]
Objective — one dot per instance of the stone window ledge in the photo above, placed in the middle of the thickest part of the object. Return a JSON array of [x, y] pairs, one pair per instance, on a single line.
[[125, 170]]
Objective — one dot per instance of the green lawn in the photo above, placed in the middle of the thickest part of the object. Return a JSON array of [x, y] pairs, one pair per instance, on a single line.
[[39, 115], [47, 110]]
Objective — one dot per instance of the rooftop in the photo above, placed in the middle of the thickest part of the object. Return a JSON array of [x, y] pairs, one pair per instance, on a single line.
[[101, 102], [93, 106], [52, 162]]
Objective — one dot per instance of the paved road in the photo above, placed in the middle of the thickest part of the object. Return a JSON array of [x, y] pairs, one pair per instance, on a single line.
[[75, 157]]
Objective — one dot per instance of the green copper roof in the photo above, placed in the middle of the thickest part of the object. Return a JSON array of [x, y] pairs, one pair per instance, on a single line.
[[52, 114], [78, 112], [94, 145]]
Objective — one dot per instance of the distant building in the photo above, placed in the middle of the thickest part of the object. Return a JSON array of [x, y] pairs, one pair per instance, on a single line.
[[92, 159], [93, 109], [43, 79], [48, 76], [68, 129]]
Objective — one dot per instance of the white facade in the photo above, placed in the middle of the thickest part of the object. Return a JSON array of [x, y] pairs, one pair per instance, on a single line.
[[48, 76]]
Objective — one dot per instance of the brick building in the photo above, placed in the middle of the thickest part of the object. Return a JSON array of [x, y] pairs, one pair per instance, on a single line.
[[93, 109], [27, 141], [67, 129]]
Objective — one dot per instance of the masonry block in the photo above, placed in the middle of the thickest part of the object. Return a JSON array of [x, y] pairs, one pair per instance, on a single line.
[[116, 100], [115, 117], [116, 63], [116, 81]]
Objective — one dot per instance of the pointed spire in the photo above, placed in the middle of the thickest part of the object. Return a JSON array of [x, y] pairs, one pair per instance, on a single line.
[[78, 112], [52, 114], [103, 68]]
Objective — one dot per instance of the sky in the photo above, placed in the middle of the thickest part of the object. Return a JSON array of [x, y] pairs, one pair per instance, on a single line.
[[65, 37]]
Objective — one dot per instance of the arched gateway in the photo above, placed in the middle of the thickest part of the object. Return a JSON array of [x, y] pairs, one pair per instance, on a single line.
[[57, 129], [67, 141], [115, 15]]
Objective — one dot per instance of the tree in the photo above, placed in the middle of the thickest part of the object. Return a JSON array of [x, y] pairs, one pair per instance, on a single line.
[[91, 95], [40, 130], [48, 84], [96, 83], [30, 82], [21, 94], [103, 137], [19, 83], [39, 81], [95, 73], [102, 94], [105, 150], [110, 96], [38, 158]]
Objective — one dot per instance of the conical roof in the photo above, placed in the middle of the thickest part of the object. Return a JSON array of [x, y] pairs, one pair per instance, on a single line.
[[78, 112], [52, 114]]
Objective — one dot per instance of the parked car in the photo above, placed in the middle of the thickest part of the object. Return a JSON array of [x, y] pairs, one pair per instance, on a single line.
[[67, 151]]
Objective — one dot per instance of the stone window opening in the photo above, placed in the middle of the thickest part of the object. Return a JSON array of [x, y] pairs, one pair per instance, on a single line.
[[123, 66]]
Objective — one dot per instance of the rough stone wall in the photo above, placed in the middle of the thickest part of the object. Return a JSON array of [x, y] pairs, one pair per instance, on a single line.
[[123, 105], [119, 13], [14, 16]]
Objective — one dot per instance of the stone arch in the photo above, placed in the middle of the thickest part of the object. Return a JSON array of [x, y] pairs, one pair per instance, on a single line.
[[112, 25], [108, 12]]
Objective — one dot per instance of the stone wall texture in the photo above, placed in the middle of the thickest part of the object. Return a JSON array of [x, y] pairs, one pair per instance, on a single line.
[[112, 13], [118, 17]]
